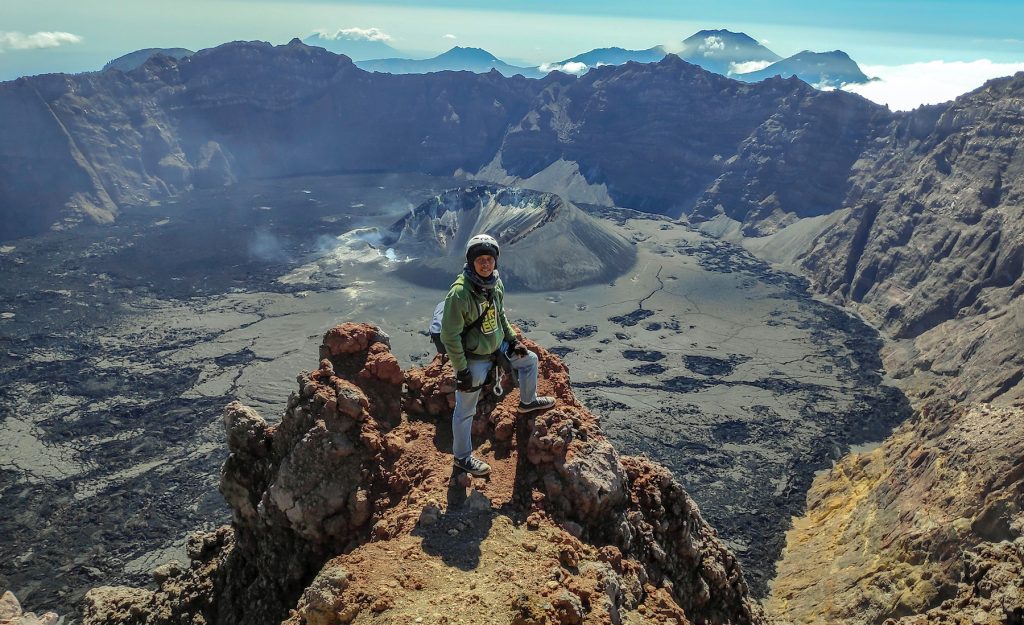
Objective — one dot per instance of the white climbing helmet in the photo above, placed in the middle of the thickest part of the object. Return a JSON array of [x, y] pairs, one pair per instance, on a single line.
[[481, 245]]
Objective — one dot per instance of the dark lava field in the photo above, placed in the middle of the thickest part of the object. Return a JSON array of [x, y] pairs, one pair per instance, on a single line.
[[119, 346]]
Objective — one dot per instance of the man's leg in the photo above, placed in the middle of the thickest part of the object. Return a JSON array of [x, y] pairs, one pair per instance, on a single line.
[[526, 370], [465, 410]]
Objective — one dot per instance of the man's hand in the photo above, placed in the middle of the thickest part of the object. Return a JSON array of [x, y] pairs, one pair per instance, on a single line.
[[463, 380], [517, 348]]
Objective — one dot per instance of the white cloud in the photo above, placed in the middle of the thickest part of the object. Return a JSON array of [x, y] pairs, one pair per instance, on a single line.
[[572, 67], [46, 39], [354, 34], [713, 43], [904, 87], [747, 66], [450, 36], [673, 47]]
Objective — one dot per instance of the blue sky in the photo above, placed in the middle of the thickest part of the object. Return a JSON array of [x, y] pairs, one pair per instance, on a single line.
[[877, 33]]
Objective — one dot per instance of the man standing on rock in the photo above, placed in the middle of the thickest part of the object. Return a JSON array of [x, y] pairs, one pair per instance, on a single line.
[[474, 331]]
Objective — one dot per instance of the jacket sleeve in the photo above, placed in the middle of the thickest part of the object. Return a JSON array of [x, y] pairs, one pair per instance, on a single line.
[[506, 327], [453, 322]]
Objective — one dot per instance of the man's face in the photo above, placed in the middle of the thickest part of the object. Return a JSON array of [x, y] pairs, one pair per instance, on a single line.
[[484, 266]]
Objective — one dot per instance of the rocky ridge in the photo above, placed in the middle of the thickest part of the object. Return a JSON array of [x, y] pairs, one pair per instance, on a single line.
[[344, 512]]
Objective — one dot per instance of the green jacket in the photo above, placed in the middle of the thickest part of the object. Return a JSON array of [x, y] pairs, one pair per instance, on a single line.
[[462, 306]]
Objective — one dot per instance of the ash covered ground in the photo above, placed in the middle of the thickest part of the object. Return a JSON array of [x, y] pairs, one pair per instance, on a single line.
[[120, 345]]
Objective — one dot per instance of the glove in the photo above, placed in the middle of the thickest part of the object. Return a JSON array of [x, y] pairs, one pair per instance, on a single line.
[[463, 380], [516, 348]]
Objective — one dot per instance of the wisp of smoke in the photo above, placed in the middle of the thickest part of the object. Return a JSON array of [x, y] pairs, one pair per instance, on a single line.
[[268, 248], [325, 244], [370, 236], [674, 47]]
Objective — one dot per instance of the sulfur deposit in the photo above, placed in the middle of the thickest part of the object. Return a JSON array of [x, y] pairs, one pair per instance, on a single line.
[[929, 524]]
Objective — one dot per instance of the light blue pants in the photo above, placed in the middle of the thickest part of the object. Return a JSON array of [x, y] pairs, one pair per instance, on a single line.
[[525, 370]]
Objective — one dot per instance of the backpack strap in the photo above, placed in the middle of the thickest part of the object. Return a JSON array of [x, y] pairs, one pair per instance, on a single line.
[[477, 321]]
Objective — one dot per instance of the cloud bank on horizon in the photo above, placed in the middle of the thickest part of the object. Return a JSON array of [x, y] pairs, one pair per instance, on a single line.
[[905, 87], [14, 40], [354, 33]]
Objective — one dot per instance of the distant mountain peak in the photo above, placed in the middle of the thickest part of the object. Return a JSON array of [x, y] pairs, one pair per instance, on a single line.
[[478, 54], [724, 34], [822, 69], [136, 59], [722, 51], [357, 46], [459, 58]]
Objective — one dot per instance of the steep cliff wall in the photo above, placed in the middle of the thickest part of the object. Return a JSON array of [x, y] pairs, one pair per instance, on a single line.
[[932, 249], [927, 528]]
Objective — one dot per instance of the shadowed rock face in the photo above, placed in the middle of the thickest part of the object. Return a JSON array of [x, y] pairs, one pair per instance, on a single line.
[[347, 472], [82, 146], [932, 248], [546, 242], [673, 139], [795, 164]]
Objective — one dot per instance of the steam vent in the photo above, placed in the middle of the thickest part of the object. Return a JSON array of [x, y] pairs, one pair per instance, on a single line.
[[345, 512]]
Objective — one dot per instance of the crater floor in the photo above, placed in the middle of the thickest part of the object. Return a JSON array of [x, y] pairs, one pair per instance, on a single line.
[[120, 345]]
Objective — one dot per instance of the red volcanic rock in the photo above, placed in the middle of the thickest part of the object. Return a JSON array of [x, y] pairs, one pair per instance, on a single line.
[[382, 365], [348, 338], [362, 353]]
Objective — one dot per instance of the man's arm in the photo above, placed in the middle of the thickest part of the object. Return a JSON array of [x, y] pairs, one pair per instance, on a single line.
[[452, 325]]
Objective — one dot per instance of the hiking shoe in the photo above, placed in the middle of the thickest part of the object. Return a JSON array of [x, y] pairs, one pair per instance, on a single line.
[[541, 403], [473, 466]]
